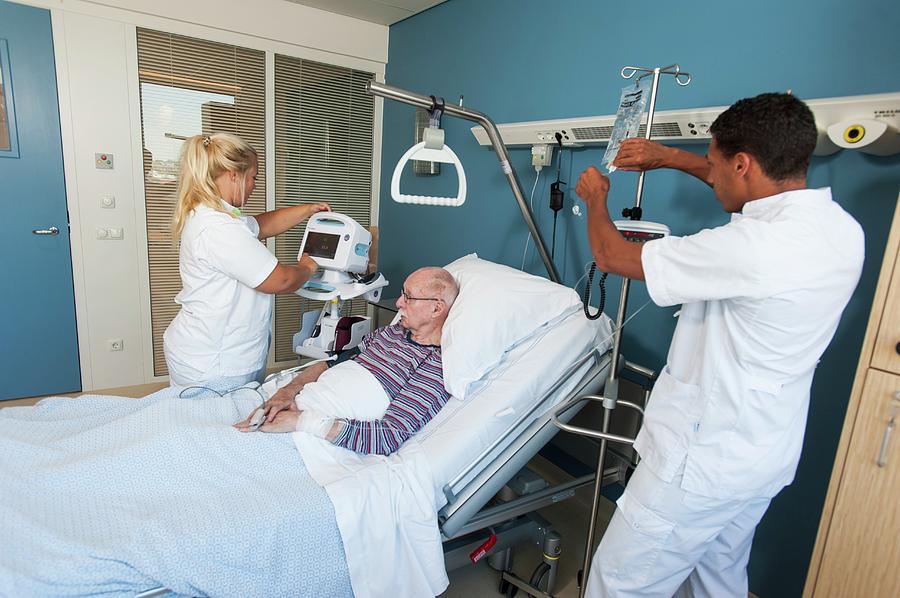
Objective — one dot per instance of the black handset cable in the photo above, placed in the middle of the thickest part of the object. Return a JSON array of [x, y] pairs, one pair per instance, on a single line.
[[587, 293], [557, 195]]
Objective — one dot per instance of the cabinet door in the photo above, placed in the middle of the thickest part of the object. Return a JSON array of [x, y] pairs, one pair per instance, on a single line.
[[862, 551], [887, 344]]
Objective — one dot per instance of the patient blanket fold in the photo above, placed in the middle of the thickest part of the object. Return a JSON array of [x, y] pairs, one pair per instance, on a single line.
[[385, 510], [114, 496], [384, 505]]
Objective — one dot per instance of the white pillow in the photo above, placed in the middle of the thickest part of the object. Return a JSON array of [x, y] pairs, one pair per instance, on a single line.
[[498, 307]]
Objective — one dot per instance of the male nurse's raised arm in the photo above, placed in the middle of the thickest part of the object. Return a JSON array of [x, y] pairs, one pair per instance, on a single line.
[[643, 154]]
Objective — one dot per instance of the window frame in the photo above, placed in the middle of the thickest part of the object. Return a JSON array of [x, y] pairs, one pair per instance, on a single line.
[[270, 48]]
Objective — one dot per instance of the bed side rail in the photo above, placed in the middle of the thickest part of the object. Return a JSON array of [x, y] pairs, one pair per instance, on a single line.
[[473, 495], [449, 491]]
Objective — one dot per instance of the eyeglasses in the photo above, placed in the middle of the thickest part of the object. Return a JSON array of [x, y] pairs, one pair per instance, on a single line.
[[406, 297]]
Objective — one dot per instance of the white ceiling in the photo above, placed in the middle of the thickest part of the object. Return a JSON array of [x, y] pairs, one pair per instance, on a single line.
[[384, 12]]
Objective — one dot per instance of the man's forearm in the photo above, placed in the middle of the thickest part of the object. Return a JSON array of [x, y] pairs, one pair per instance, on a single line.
[[310, 374], [690, 163], [611, 251], [638, 154]]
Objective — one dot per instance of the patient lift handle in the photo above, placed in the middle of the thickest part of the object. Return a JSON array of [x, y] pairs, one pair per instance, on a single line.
[[429, 103]]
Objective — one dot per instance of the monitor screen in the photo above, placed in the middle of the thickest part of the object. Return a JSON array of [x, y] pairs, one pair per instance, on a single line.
[[321, 245]]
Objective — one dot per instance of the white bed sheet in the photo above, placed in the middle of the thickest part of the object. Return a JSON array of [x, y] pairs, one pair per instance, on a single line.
[[386, 507], [464, 429]]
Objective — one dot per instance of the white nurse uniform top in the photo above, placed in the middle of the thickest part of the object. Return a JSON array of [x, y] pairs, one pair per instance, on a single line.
[[761, 299], [222, 329]]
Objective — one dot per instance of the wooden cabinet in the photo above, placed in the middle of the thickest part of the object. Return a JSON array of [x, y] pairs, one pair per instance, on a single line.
[[857, 551], [887, 344]]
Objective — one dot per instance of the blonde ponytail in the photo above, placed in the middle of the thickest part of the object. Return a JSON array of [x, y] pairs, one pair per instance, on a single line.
[[203, 159]]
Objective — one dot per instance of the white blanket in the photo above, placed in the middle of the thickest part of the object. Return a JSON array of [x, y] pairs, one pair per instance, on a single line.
[[384, 506]]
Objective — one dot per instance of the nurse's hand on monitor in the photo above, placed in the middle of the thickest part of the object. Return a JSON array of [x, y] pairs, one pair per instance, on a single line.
[[307, 263], [288, 278], [315, 208], [278, 221]]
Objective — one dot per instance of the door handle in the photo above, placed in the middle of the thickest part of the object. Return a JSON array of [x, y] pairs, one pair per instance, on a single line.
[[46, 231], [886, 439]]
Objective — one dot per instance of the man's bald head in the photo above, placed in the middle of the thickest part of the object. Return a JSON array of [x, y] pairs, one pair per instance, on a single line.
[[438, 283]]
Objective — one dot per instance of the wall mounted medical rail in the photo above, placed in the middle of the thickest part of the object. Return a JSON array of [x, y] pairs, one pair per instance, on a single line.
[[431, 103], [610, 397]]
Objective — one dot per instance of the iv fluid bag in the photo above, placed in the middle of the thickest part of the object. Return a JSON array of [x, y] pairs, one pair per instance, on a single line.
[[628, 119]]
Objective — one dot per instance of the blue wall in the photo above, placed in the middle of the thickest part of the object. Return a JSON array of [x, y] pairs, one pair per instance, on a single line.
[[529, 60]]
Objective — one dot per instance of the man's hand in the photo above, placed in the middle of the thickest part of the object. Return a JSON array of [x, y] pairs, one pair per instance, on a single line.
[[592, 186], [285, 421], [638, 153], [283, 400]]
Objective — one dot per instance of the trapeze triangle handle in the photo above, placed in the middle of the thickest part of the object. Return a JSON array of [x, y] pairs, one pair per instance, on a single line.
[[420, 152]]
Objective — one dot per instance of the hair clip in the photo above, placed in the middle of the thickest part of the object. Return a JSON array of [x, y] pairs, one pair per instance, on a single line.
[[206, 141]]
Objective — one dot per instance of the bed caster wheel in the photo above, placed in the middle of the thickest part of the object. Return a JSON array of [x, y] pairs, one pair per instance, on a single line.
[[580, 577], [540, 573], [507, 589]]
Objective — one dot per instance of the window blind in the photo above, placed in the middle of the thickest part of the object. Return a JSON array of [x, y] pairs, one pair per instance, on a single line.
[[324, 127], [190, 86]]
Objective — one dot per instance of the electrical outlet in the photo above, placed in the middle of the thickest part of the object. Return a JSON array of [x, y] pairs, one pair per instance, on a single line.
[[550, 136], [541, 155], [116, 344], [699, 128]]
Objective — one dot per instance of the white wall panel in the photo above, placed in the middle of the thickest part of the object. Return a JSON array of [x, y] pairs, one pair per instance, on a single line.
[[99, 106]]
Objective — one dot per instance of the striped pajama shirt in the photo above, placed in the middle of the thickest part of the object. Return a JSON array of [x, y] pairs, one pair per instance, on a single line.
[[411, 375]]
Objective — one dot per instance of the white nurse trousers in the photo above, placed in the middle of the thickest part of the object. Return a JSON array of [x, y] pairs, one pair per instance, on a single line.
[[664, 542]]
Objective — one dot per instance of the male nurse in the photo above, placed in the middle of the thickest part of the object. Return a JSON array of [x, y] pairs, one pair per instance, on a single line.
[[760, 300]]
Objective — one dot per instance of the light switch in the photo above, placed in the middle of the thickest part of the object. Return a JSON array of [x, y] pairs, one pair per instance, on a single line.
[[108, 201], [110, 234]]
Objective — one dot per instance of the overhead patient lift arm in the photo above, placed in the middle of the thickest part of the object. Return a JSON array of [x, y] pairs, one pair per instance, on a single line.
[[420, 101]]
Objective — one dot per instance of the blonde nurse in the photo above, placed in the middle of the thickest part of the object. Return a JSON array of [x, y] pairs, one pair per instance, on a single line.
[[228, 276]]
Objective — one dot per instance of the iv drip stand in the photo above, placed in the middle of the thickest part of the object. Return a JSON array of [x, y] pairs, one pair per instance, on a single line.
[[610, 393], [610, 396]]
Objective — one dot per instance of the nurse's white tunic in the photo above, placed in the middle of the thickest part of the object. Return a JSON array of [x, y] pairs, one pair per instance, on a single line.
[[222, 329], [761, 298]]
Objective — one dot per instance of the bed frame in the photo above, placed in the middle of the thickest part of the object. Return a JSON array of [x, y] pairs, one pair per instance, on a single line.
[[474, 518]]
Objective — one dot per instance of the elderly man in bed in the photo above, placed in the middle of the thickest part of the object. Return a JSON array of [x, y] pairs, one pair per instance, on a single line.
[[403, 361]]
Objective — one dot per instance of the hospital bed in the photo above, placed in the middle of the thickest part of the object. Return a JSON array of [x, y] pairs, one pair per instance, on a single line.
[[472, 507], [474, 447]]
